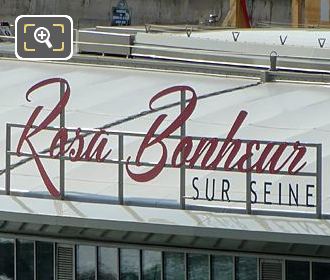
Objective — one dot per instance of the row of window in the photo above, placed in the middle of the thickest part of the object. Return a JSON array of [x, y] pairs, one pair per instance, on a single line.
[[131, 264], [134, 264], [35, 260]]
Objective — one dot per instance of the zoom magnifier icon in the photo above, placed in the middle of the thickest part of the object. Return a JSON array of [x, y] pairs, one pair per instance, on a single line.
[[42, 36]]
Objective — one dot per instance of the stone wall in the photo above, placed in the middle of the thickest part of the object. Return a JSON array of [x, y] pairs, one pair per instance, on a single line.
[[91, 12]]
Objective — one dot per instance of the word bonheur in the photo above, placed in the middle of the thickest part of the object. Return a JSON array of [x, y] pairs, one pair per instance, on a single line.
[[229, 153]]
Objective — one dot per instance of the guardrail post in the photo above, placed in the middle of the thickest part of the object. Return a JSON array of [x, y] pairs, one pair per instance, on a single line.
[[273, 61], [120, 169], [8, 148], [183, 167], [248, 187], [77, 40], [62, 160], [319, 181]]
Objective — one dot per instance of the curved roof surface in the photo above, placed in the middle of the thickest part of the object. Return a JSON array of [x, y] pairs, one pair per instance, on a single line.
[[107, 96]]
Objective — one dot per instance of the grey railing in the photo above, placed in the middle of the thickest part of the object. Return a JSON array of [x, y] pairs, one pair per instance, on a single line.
[[121, 162]]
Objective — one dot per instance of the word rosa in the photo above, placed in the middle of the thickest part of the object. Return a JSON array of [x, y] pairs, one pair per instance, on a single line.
[[211, 152], [61, 142]]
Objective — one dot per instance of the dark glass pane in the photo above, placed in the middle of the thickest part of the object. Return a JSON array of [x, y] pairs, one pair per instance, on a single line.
[[129, 264], [25, 260], [108, 263], [6, 259], [86, 262], [222, 268], [152, 263], [246, 268], [174, 266], [45, 260], [198, 267], [297, 270], [321, 271]]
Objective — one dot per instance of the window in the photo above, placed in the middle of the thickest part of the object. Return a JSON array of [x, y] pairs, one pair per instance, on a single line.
[[296, 270], [25, 259], [107, 263], [174, 266], [321, 271], [198, 267], [246, 268], [222, 268], [129, 264], [86, 262], [45, 260], [6, 259], [151, 265]]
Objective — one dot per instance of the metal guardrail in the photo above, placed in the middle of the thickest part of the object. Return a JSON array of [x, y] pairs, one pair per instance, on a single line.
[[156, 47], [225, 58]]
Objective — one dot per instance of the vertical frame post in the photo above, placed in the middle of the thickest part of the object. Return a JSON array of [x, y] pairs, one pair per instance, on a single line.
[[186, 266], [248, 187], [74, 266], [54, 259], [8, 162], [258, 268], [319, 181], [183, 168], [162, 268], [96, 262], [15, 259], [118, 264], [62, 160], [234, 268], [35, 259], [120, 169], [140, 265], [210, 267]]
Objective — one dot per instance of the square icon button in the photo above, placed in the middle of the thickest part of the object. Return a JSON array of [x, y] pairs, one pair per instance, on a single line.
[[44, 37]]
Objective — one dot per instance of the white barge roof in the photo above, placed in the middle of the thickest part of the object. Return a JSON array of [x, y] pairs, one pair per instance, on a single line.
[[118, 99], [103, 96]]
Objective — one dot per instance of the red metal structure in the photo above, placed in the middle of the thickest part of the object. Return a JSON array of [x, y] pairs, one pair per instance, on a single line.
[[246, 18]]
